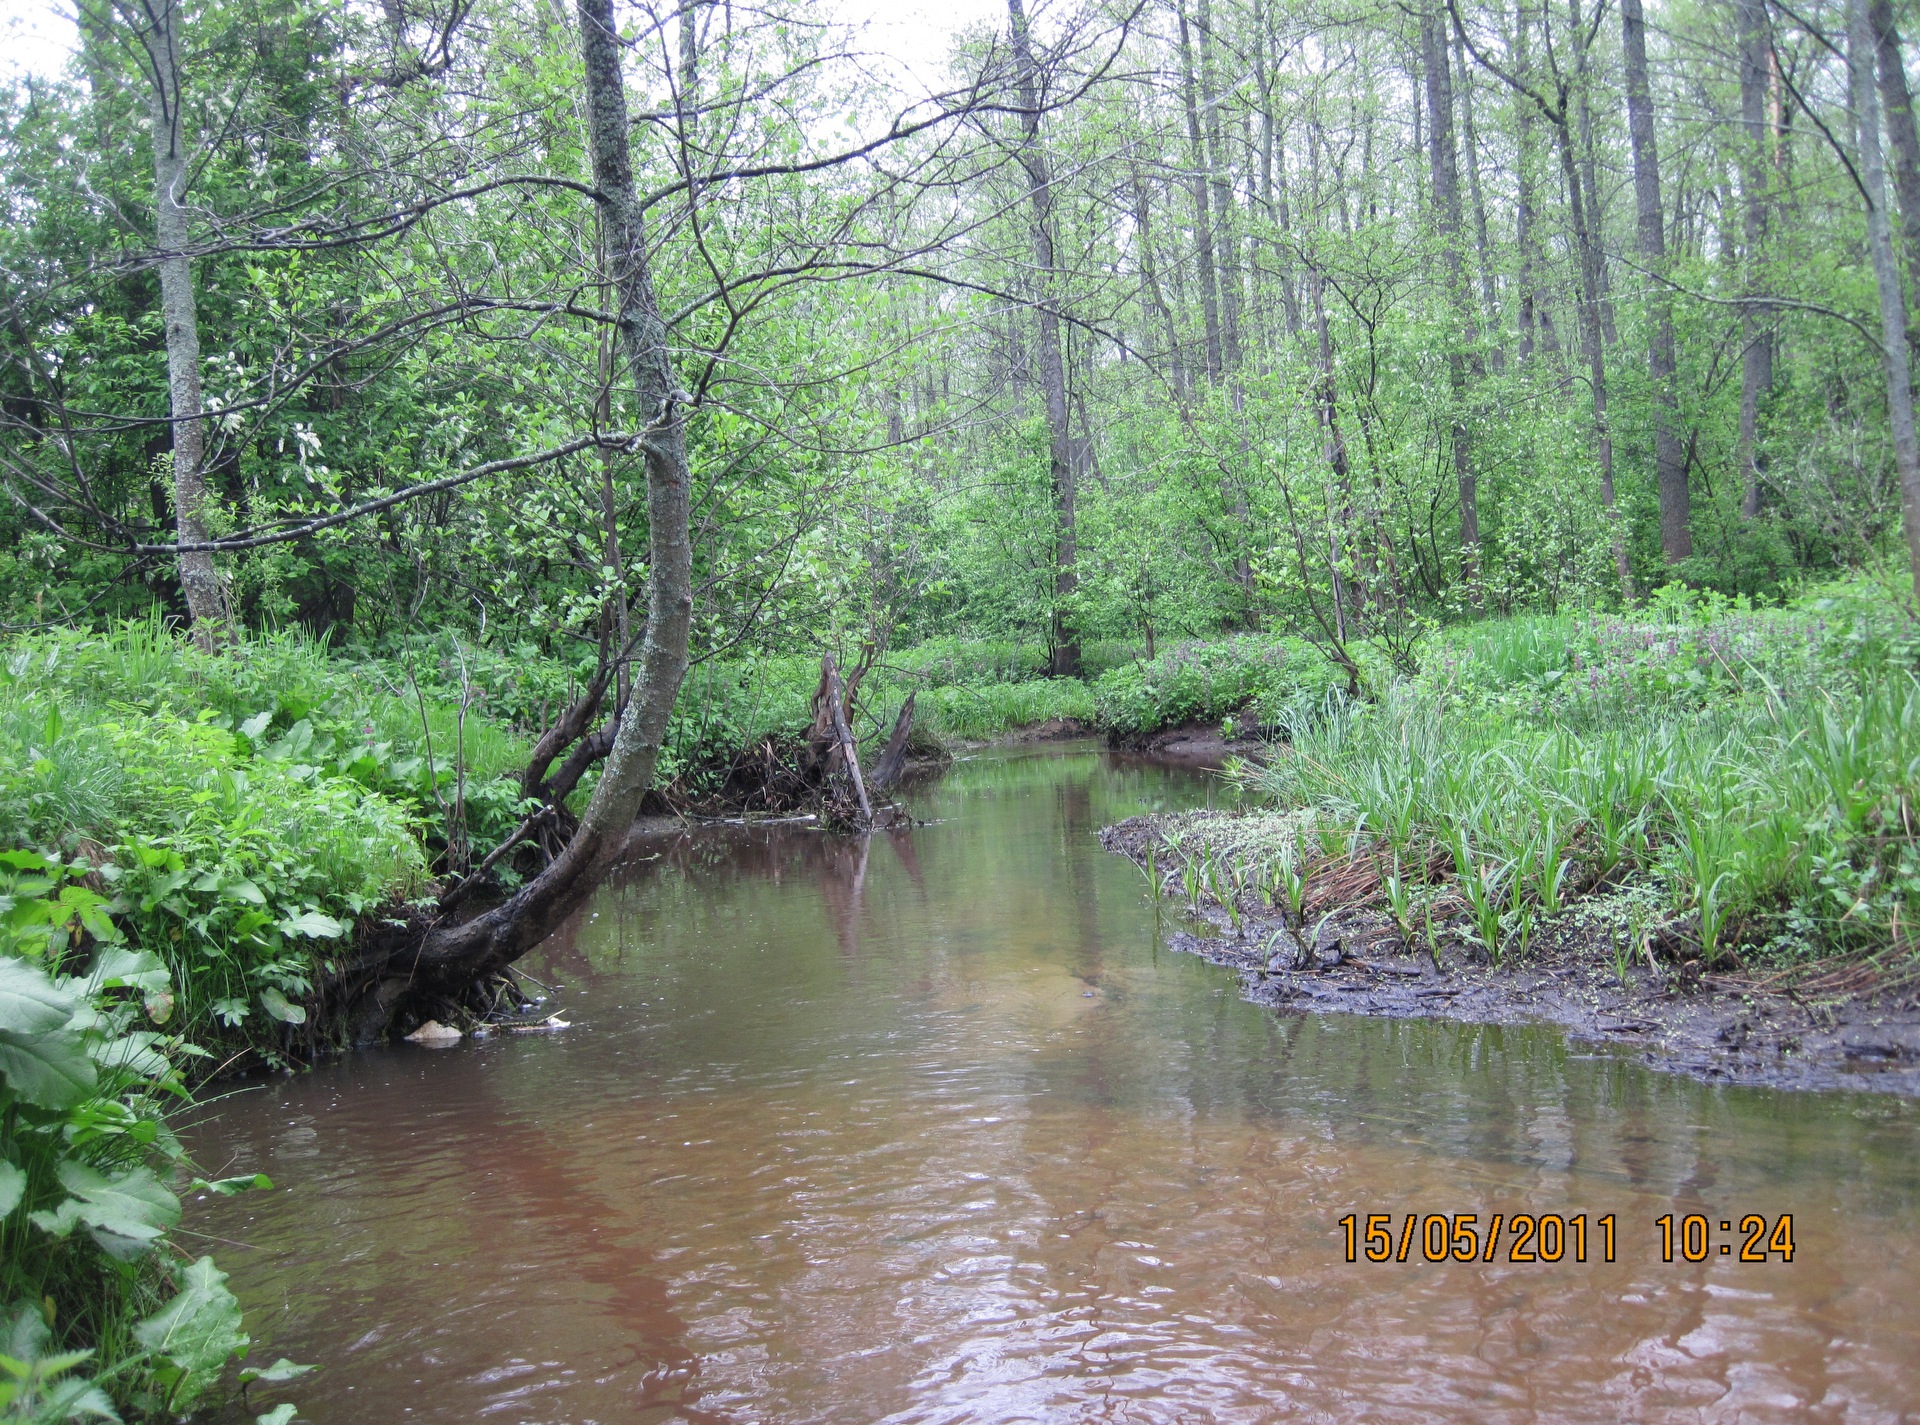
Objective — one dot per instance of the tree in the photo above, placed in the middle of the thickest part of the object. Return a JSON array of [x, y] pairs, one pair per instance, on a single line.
[[1446, 196], [1061, 455], [156, 23], [1756, 359], [1863, 55], [1670, 459]]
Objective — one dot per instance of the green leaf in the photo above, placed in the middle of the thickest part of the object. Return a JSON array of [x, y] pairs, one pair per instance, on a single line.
[[196, 1332], [239, 888], [30, 1002], [78, 1400], [228, 1187], [255, 725], [126, 1213], [278, 1373], [61, 1221], [26, 1338], [133, 1053], [313, 923], [13, 1185], [46, 1070], [279, 1415], [277, 1005], [117, 967]]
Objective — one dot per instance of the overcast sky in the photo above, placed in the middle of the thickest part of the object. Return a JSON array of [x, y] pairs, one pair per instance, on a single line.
[[36, 35]]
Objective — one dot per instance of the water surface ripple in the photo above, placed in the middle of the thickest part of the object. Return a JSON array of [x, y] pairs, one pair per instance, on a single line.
[[928, 1129]]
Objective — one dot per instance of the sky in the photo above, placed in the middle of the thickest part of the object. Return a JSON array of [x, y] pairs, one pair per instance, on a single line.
[[37, 35]]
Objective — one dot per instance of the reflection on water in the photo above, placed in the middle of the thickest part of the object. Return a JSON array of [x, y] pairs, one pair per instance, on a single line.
[[926, 1128]]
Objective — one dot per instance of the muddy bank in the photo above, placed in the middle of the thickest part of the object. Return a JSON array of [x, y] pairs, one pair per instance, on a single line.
[[1830, 1026], [1192, 744]]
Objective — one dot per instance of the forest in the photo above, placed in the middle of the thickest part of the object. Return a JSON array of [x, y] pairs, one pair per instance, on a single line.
[[436, 433]]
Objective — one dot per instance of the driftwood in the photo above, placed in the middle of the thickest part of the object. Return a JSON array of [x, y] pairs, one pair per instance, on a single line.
[[893, 757], [832, 739]]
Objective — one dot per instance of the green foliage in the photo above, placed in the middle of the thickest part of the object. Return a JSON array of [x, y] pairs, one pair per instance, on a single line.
[[85, 1088], [982, 710], [1270, 679], [239, 850], [1756, 766]]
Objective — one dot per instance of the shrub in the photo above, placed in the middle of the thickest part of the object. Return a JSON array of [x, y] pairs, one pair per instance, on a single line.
[[1262, 675], [95, 1313]]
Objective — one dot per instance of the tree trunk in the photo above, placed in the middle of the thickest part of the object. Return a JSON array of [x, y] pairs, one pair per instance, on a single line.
[[893, 757], [1524, 238], [1223, 207], [1593, 339], [1053, 370], [1896, 101], [158, 24], [1329, 397], [1862, 56], [835, 701], [1273, 186], [1670, 460], [1202, 203], [453, 957], [1470, 145], [1150, 280], [1756, 363], [1589, 167], [1446, 199]]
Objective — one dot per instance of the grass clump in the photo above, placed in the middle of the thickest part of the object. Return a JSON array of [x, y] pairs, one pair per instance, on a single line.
[[1757, 769], [975, 711]]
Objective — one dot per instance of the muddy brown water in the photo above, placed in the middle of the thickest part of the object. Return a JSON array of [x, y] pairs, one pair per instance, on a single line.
[[931, 1129]]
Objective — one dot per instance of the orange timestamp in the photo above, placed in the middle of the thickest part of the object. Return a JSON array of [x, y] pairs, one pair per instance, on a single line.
[[1533, 1237], [1458, 1237]]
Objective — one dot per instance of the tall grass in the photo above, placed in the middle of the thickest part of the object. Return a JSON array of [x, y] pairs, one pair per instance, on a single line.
[[987, 710], [1778, 816]]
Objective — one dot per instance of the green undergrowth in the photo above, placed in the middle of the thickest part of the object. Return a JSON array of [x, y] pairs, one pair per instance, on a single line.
[[1754, 769], [242, 810], [185, 841], [105, 1316], [963, 692], [1260, 679], [976, 690]]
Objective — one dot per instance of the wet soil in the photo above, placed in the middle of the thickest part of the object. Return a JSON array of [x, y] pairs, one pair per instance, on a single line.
[[1193, 744], [1833, 1026], [1054, 729]]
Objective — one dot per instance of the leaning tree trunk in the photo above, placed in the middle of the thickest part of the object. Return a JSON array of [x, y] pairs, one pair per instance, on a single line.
[[1053, 369], [1886, 274], [158, 24], [1669, 456], [453, 957]]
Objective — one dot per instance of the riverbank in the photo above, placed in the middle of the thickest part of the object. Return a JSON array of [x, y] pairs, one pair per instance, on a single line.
[[1599, 970]]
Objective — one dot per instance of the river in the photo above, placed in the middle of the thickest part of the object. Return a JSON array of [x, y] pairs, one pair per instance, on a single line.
[[930, 1128]]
